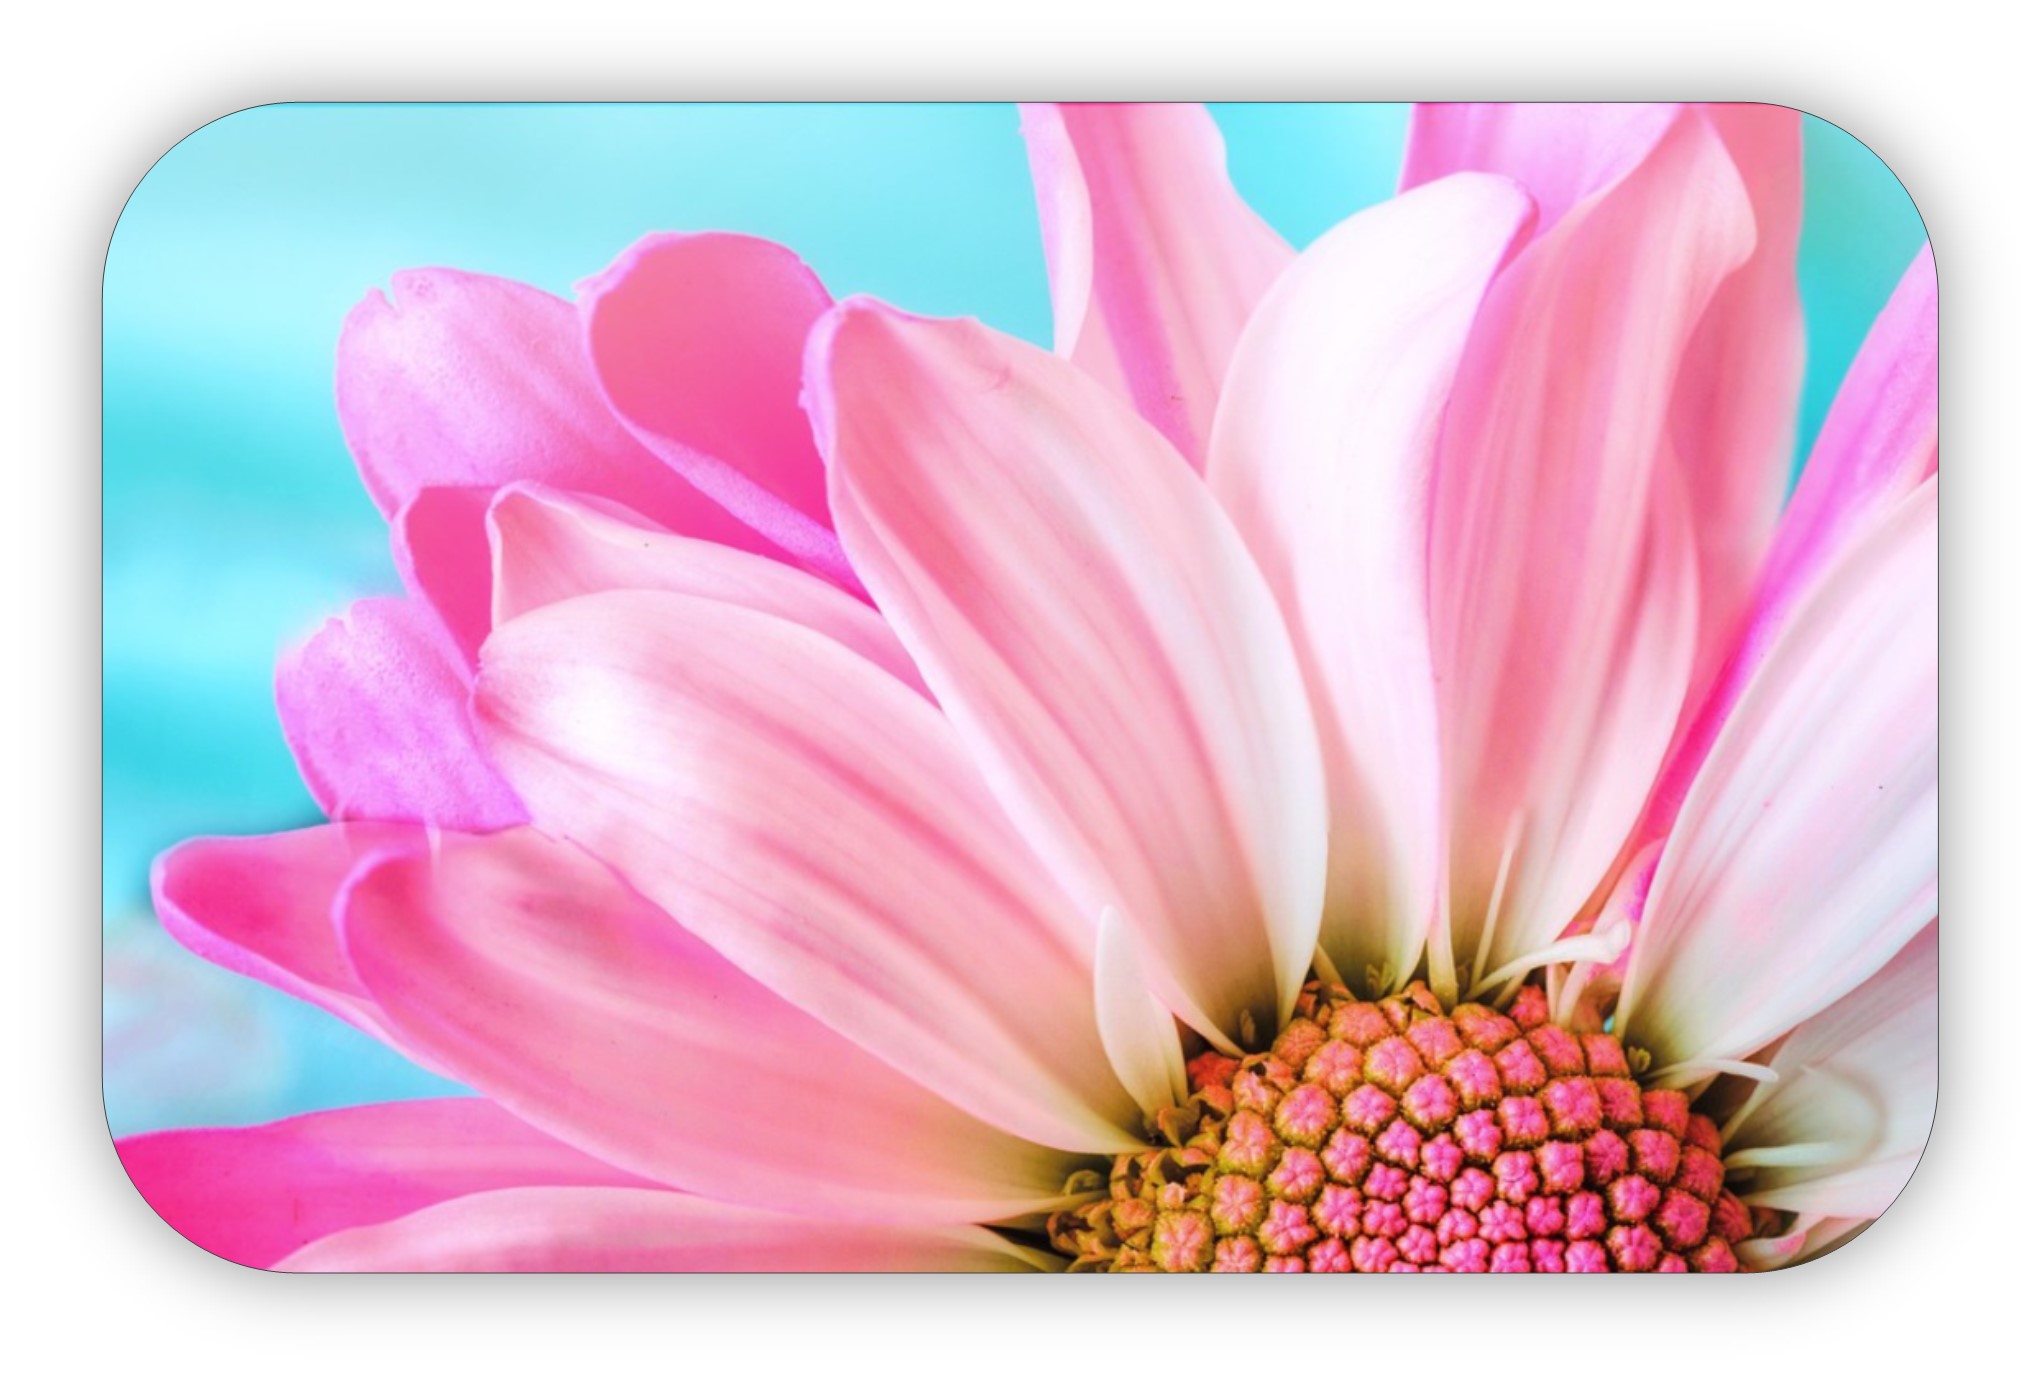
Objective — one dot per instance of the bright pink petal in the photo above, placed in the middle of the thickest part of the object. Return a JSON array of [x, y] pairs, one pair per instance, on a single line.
[[1094, 626], [263, 906], [1323, 457], [696, 342], [1561, 154], [1840, 1133], [253, 1195], [816, 821], [551, 546], [1155, 262], [1562, 579], [460, 380], [374, 706], [1805, 855], [1879, 444], [441, 547], [590, 1230], [532, 973]]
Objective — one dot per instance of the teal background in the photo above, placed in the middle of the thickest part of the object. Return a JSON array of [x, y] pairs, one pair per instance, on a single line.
[[233, 519]]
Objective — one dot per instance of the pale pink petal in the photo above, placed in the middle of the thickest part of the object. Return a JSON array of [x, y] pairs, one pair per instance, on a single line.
[[1879, 444], [569, 1230], [263, 906], [1139, 1034], [1562, 578], [532, 973], [1805, 855], [1840, 1133], [1738, 396], [550, 546], [1099, 634], [1561, 154], [1322, 455], [816, 821], [461, 380], [1155, 262], [441, 548], [1800, 1245], [253, 1195], [696, 342], [374, 707]]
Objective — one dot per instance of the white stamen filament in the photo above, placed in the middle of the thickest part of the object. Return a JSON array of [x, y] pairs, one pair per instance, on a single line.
[[1513, 834], [1596, 947]]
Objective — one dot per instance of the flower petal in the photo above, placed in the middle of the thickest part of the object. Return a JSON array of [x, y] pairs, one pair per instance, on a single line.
[[1561, 154], [374, 706], [1322, 455], [532, 973], [817, 822], [696, 342], [1856, 1092], [582, 1230], [551, 546], [253, 1195], [1563, 589], [1879, 444], [1139, 1034], [441, 548], [1093, 625], [461, 380], [1805, 855], [263, 906], [1155, 262]]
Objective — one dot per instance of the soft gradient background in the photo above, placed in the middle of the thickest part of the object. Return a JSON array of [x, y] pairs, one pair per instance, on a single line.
[[233, 519]]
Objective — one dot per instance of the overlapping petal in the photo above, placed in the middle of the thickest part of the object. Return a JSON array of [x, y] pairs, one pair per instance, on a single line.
[[1841, 1132], [1097, 632], [818, 822], [550, 546], [696, 344], [374, 707], [1805, 855], [1322, 455], [1564, 592], [1155, 262], [598, 1230], [256, 1194], [531, 973]]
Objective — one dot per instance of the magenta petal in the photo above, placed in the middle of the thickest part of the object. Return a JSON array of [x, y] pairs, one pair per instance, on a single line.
[[253, 1195], [696, 342], [374, 706], [441, 544], [262, 906], [462, 380], [531, 972], [1560, 153], [588, 1230]]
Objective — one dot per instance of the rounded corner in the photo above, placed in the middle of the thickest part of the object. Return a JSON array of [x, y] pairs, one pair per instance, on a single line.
[[128, 198], [1891, 171], [121, 1147]]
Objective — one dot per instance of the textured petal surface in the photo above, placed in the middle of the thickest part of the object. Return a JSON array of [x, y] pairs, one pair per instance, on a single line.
[[1155, 262], [592, 1230], [1094, 626], [1563, 587], [1856, 1092], [462, 380], [1322, 455], [818, 822], [374, 707], [696, 342], [256, 1194], [535, 975], [1805, 856], [551, 546], [263, 906]]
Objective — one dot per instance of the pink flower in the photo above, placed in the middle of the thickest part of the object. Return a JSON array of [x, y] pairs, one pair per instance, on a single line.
[[834, 766]]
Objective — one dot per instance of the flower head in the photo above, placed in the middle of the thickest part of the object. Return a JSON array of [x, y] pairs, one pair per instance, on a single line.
[[1342, 764]]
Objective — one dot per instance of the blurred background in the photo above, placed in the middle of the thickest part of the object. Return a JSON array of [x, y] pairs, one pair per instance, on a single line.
[[233, 520]]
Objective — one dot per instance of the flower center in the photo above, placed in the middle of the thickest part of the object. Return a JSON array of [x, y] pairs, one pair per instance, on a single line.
[[1393, 1135]]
